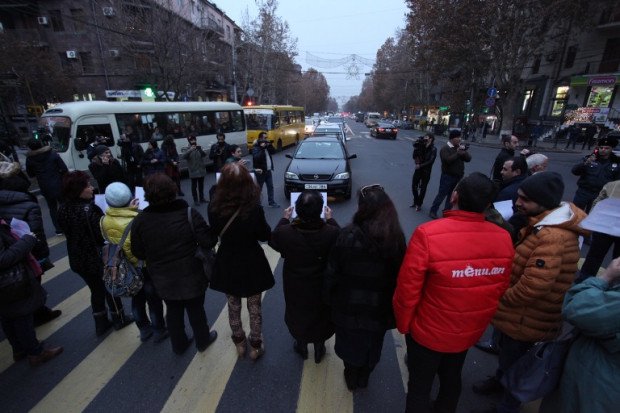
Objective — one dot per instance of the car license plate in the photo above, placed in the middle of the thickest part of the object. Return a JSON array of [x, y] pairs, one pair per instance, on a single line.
[[388, 130], [315, 186]]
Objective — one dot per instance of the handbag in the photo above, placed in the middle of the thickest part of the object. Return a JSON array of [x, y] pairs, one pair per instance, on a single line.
[[207, 256], [120, 277], [15, 284], [538, 372]]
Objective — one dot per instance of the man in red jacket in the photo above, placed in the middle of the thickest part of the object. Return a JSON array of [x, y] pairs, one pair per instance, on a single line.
[[452, 277]]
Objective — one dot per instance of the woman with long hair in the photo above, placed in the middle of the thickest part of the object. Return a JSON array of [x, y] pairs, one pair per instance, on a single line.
[[241, 268], [171, 163], [79, 218], [360, 281]]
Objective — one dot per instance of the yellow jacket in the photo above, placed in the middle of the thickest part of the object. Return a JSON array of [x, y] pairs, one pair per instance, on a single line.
[[113, 225]]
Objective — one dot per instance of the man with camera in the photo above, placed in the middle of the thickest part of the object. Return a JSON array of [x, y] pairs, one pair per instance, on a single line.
[[453, 157], [220, 151], [424, 155], [263, 166]]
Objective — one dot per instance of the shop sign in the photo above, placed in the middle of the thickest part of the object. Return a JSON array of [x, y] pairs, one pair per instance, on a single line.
[[602, 81], [122, 94], [587, 115]]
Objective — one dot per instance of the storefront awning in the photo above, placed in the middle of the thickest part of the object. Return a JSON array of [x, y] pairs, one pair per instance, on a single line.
[[595, 80]]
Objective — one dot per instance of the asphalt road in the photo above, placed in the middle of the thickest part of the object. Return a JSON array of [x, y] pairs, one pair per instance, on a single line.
[[118, 373]]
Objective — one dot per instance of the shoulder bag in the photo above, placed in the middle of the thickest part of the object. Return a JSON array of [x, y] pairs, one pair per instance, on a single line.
[[207, 257], [120, 277]]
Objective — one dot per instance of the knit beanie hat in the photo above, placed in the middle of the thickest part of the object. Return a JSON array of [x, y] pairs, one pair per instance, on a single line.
[[118, 195], [100, 149], [544, 188]]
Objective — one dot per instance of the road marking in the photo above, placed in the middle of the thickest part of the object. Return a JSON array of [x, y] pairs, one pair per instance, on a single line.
[[71, 307], [401, 350], [60, 266], [55, 240], [78, 388], [202, 385], [323, 388]]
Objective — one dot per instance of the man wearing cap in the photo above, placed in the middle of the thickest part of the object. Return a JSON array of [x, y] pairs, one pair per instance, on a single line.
[[543, 270], [453, 156], [595, 171], [105, 168]]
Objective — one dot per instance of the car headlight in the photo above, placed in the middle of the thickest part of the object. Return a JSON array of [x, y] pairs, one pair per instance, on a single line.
[[290, 175], [343, 175]]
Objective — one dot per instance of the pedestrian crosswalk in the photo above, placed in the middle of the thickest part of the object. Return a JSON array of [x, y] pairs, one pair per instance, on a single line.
[[80, 379]]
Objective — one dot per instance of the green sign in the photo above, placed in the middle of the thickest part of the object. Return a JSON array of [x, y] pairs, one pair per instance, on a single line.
[[444, 108]]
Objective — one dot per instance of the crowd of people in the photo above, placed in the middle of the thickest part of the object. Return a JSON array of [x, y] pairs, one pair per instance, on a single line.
[[354, 282]]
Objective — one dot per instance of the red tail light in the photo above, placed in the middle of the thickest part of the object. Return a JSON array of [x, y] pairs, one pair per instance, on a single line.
[[395, 130], [381, 130]]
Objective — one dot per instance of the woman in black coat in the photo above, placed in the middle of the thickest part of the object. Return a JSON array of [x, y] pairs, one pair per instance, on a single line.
[[79, 218], [360, 282], [17, 304], [241, 268], [162, 236], [105, 168], [305, 244]]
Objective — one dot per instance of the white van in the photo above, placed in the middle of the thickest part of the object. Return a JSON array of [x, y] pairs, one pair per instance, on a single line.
[[371, 119]]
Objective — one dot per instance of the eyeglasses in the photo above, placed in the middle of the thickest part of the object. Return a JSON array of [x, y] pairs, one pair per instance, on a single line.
[[367, 188]]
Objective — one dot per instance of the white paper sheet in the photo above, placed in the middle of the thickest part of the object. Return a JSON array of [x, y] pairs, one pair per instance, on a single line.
[[19, 227], [100, 202], [295, 195], [604, 217], [142, 203], [504, 208]]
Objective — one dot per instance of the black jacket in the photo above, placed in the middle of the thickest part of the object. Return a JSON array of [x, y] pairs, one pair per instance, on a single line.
[[241, 268], [259, 156], [503, 156], [79, 221], [46, 165], [593, 177], [24, 206], [161, 235], [453, 161], [218, 154], [360, 283], [508, 190], [428, 159], [305, 248], [106, 174]]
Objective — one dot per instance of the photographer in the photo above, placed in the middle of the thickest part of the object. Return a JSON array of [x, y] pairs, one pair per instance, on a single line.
[[453, 157], [219, 152], [263, 166], [424, 155], [196, 169]]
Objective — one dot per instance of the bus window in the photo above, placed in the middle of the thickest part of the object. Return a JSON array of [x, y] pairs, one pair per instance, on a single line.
[[94, 134], [59, 127], [237, 121], [223, 121]]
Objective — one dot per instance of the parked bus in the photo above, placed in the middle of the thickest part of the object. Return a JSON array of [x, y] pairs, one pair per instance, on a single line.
[[285, 125], [73, 126]]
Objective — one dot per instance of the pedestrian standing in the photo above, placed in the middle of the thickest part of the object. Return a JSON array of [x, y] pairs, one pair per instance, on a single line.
[[79, 218], [304, 245], [171, 161], [453, 156], [105, 168], [43, 163], [131, 154], [162, 236], [424, 155], [219, 151], [196, 169], [241, 268], [263, 166], [360, 281], [153, 161], [438, 276]]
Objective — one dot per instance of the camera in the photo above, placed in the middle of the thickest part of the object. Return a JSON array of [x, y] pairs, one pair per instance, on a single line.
[[464, 146]]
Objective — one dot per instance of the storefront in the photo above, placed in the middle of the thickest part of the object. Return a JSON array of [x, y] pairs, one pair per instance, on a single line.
[[593, 96]]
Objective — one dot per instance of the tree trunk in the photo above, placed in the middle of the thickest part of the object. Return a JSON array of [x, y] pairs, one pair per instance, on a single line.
[[509, 109]]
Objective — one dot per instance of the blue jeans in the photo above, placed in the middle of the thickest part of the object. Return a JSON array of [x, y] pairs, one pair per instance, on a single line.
[[20, 333], [447, 183], [510, 351], [266, 177], [156, 308]]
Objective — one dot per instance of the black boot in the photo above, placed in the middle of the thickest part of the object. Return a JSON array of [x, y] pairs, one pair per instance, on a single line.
[[301, 348], [319, 352], [121, 320], [102, 324]]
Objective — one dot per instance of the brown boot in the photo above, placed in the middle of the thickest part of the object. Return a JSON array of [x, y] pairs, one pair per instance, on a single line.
[[46, 355], [241, 344], [257, 349]]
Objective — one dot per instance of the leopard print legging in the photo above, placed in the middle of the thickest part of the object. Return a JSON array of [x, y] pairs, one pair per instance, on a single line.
[[256, 319]]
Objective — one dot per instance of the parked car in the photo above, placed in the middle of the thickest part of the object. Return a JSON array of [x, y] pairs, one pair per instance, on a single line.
[[384, 130], [320, 163]]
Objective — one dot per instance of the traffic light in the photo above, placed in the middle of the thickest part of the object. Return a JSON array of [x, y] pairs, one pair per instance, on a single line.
[[148, 91], [34, 110]]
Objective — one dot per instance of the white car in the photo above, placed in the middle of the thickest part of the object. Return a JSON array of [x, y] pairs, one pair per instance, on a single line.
[[309, 128]]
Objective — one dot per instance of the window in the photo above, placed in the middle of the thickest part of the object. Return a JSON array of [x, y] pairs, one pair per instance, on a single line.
[[56, 19], [571, 53], [558, 103], [611, 56], [78, 20], [527, 101], [87, 62], [600, 96], [536, 65]]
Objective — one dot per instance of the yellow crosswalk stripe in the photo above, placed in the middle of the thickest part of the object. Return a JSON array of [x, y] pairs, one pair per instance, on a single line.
[[78, 388], [323, 388], [60, 266], [70, 308]]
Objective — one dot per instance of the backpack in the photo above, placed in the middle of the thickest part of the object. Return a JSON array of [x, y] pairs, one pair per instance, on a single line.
[[120, 276]]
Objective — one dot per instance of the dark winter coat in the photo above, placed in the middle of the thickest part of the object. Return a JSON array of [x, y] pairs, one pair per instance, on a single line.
[[161, 235], [241, 268], [428, 159], [13, 252], [106, 174], [360, 283], [150, 168], [259, 156], [79, 221], [453, 160], [503, 156], [305, 248], [47, 166], [594, 176], [509, 189], [24, 206], [218, 154]]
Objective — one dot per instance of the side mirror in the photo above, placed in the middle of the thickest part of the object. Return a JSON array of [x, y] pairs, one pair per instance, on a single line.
[[80, 144], [352, 156], [288, 155]]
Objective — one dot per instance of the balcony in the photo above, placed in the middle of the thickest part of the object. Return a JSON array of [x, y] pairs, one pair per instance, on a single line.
[[211, 25], [609, 20]]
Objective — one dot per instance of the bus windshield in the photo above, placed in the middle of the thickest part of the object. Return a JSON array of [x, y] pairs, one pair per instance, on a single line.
[[262, 121], [55, 130]]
